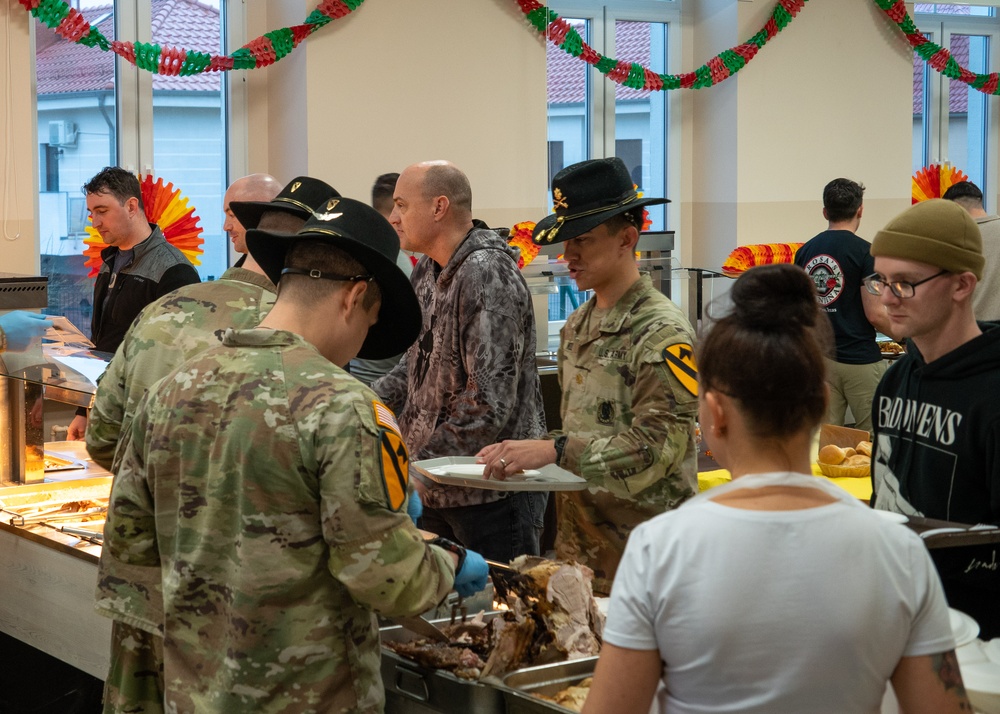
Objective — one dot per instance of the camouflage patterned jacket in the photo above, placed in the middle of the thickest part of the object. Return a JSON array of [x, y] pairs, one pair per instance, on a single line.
[[629, 403], [268, 487], [470, 379], [167, 332]]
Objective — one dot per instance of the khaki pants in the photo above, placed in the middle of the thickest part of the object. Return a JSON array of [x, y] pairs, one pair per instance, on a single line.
[[853, 385]]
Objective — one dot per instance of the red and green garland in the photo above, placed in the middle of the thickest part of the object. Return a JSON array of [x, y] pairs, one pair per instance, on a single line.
[[729, 62], [272, 46], [267, 49], [934, 54], [634, 75]]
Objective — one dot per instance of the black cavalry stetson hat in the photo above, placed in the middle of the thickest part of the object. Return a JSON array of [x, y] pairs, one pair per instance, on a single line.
[[299, 197], [364, 234], [585, 195]]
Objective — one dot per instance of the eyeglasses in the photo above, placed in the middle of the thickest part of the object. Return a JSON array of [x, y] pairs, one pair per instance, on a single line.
[[875, 284]]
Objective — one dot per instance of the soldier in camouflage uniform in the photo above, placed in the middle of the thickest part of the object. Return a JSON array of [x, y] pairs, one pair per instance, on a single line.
[[470, 379], [629, 385], [267, 487], [167, 332]]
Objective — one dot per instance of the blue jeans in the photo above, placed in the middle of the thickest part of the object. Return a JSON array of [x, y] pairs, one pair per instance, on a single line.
[[501, 530]]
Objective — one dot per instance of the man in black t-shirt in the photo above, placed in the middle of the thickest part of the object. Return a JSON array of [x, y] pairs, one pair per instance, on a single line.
[[837, 260]]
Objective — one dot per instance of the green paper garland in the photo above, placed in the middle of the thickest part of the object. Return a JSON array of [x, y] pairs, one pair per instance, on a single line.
[[729, 62], [267, 49]]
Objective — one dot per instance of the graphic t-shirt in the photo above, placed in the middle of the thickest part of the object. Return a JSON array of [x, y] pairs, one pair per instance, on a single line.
[[837, 261]]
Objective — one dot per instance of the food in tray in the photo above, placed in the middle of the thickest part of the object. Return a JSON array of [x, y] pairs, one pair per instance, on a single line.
[[552, 617], [891, 348], [838, 462], [571, 698]]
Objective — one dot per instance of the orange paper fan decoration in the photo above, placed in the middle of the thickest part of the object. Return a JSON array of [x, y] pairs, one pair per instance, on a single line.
[[166, 208], [748, 256], [932, 181], [520, 238]]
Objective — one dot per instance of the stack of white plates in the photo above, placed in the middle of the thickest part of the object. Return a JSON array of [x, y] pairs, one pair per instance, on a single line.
[[979, 662]]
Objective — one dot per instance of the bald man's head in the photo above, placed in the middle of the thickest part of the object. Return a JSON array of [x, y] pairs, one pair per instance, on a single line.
[[255, 187], [443, 178]]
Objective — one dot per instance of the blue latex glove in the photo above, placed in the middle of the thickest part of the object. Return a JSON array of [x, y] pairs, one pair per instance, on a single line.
[[23, 328], [414, 508], [472, 577]]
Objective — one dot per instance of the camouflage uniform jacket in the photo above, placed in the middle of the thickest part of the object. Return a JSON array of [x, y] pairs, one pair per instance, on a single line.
[[629, 403], [268, 487], [470, 379], [167, 332]]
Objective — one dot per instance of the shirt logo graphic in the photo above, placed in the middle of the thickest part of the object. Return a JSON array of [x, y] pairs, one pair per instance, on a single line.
[[395, 468], [828, 278], [680, 361]]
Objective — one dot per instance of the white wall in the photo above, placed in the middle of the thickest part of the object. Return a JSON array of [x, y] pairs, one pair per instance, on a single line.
[[830, 96], [378, 94]]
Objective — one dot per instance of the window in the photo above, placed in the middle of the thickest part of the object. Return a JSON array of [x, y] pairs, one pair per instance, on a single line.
[[952, 121], [94, 111], [591, 117]]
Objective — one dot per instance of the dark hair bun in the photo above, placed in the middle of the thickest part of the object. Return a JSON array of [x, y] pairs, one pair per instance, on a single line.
[[775, 298]]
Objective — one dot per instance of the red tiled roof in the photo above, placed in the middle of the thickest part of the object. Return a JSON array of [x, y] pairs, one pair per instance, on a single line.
[[65, 67], [566, 74]]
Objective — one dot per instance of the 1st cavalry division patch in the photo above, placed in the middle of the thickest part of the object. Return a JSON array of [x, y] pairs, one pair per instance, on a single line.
[[680, 360], [395, 460]]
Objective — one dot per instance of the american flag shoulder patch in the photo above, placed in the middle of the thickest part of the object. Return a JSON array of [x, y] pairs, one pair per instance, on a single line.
[[384, 417]]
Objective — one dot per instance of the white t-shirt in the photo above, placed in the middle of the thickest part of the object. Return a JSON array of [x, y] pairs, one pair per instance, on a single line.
[[777, 611]]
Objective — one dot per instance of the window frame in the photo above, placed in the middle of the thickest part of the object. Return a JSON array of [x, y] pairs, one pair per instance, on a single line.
[[937, 109]]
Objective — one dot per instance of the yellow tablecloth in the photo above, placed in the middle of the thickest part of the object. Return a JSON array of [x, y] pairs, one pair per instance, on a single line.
[[860, 488]]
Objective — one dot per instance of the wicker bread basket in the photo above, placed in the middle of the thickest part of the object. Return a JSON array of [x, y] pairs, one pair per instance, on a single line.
[[844, 471]]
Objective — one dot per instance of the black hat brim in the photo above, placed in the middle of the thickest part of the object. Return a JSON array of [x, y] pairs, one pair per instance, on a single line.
[[399, 317], [573, 227], [249, 213]]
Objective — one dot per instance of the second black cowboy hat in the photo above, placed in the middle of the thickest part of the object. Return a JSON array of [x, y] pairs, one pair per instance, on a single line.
[[585, 195], [360, 231], [299, 197]]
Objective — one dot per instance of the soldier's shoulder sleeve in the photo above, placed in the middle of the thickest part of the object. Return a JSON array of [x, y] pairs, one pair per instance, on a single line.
[[671, 353], [384, 479]]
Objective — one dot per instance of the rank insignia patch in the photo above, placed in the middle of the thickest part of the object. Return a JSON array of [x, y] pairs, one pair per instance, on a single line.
[[606, 413], [395, 462], [680, 360]]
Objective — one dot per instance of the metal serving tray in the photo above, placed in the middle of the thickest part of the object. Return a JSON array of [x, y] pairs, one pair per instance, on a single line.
[[547, 679], [412, 689], [547, 478]]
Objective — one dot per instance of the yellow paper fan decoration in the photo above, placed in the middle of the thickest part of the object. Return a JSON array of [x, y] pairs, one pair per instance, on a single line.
[[932, 181], [166, 208], [748, 256]]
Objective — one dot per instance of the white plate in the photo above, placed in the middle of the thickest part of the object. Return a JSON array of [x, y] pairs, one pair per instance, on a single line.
[[992, 650], [476, 471], [963, 627], [892, 516], [464, 471]]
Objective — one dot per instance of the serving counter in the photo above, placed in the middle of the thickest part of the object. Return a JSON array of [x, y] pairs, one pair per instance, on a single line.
[[49, 575]]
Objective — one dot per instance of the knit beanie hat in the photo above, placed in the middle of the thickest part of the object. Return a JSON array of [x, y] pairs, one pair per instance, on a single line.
[[936, 232]]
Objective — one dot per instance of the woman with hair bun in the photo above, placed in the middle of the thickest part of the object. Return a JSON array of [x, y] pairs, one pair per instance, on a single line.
[[778, 592]]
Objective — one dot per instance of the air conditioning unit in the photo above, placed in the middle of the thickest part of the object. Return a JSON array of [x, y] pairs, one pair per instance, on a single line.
[[62, 133]]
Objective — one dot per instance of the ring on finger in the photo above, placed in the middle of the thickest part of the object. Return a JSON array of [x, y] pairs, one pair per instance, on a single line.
[[503, 462]]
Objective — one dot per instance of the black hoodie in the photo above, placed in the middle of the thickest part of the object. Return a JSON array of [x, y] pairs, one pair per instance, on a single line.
[[936, 448]]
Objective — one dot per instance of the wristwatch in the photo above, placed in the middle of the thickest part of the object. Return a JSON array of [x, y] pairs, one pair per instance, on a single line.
[[560, 444], [451, 547]]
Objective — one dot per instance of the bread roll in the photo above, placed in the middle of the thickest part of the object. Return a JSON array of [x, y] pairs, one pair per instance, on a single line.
[[857, 460], [865, 447], [832, 454]]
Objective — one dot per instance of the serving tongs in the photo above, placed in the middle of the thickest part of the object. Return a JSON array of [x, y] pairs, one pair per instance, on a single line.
[[506, 580], [57, 514]]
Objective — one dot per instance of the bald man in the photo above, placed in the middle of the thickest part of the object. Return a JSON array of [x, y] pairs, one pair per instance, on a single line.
[[255, 187], [470, 380], [168, 332]]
